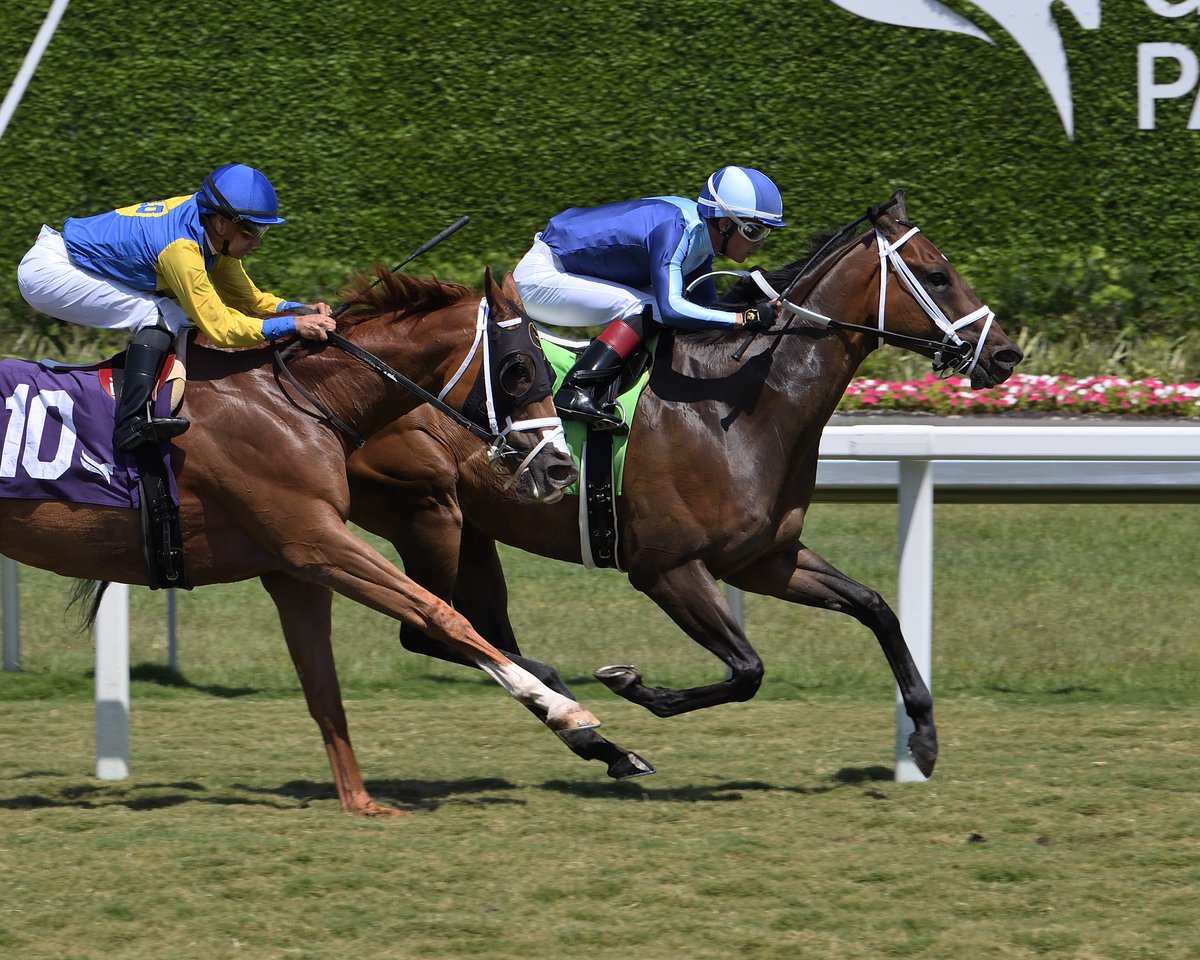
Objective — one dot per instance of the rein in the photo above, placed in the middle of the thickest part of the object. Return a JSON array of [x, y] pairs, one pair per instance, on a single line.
[[497, 444], [952, 354], [499, 449]]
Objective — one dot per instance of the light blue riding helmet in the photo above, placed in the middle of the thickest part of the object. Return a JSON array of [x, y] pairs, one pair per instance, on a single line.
[[240, 193], [745, 193]]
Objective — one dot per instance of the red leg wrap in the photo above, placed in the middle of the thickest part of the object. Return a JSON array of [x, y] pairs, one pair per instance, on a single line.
[[621, 337]]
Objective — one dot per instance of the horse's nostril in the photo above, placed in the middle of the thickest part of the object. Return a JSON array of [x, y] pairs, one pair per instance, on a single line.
[[563, 476], [1010, 358]]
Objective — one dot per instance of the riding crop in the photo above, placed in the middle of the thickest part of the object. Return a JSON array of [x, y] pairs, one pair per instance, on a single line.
[[423, 248]]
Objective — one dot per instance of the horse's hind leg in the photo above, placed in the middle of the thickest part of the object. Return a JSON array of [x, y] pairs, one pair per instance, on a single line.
[[304, 612], [798, 575], [330, 556], [480, 594], [695, 601]]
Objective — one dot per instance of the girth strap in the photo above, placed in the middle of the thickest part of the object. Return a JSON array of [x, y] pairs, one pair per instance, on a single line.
[[162, 533], [598, 502]]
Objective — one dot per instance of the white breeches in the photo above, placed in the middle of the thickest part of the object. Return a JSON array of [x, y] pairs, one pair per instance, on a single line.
[[53, 285], [553, 296]]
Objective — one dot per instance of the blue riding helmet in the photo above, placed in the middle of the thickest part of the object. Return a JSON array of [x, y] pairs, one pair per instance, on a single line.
[[240, 193], [742, 192]]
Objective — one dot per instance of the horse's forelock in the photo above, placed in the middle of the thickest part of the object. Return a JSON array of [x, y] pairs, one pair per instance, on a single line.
[[402, 293]]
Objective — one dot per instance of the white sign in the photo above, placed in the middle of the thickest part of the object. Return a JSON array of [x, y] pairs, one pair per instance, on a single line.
[[1031, 24]]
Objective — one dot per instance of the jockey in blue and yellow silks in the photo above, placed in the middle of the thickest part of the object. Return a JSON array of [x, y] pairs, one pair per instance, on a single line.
[[621, 264], [153, 267]]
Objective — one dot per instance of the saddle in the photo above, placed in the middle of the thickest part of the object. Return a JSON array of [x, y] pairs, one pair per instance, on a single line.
[[599, 455], [157, 498]]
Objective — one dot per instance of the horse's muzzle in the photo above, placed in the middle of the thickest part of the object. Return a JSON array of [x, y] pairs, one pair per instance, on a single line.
[[995, 367]]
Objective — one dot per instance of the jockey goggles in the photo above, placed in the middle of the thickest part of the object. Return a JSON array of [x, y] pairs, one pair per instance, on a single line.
[[753, 230], [250, 228]]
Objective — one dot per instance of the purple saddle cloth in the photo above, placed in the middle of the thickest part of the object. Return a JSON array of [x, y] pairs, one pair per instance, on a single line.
[[57, 430]]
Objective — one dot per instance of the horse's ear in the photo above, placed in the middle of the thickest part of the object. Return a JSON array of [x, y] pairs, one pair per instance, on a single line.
[[509, 287], [490, 290], [895, 208]]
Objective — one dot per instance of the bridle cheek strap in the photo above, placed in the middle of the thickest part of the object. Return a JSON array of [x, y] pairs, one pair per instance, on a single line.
[[551, 427], [890, 253], [481, 320]]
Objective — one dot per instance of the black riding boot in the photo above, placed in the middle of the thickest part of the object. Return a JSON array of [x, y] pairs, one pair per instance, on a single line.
[[593, 371], [135, 421]]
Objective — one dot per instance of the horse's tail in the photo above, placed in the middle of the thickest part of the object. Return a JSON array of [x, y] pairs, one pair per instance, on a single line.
[[84, 589]]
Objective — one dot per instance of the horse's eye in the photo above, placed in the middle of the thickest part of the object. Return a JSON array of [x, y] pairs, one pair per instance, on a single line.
[[516, 376], [939, 278]]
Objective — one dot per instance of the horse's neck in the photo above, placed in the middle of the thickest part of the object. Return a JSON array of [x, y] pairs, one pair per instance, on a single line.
[[774, 403], [793, 379], [426, 350], [812, 376]]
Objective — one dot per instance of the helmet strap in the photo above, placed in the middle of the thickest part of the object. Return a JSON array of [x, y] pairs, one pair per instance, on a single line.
[[725, 235]]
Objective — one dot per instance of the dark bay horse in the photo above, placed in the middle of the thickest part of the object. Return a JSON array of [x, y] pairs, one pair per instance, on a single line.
[[264, 493], [718, 479]]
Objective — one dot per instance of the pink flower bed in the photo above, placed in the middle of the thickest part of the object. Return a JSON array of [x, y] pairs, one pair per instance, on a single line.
[[1026, 393]]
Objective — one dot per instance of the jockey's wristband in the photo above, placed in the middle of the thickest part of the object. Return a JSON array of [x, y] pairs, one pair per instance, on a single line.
[[286, 305], [275, 327]]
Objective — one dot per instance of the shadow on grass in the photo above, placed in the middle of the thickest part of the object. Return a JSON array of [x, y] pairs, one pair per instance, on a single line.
[[854, 775], [734, 790], [406, 794], [413, 795], [164, 676], [143, 796]]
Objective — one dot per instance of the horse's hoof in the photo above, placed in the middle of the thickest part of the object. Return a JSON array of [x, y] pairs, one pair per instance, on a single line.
[[924, 751], [619, 677], [630, 766], [569, 724], [372, 809]]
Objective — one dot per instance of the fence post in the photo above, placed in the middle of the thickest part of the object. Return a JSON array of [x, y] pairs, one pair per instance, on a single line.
[[172, 620], [111, 635], [12, 615], [915, 592]]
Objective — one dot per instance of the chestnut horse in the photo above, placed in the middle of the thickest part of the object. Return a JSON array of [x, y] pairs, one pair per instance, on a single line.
[[719, 474], [263, 489]]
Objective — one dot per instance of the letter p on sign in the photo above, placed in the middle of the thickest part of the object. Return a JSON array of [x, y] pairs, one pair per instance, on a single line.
[[1150, 91]]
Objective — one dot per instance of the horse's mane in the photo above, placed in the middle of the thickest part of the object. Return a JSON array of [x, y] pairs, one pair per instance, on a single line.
[[383, 291], [821, 246]]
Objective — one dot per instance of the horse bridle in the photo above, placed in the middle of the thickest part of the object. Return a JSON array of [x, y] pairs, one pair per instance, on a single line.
[[500, 431], [500, 451], [951, 354]]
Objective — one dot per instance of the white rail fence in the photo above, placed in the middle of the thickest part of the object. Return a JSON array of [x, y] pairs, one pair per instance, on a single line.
[[915, 465], [992, 463]]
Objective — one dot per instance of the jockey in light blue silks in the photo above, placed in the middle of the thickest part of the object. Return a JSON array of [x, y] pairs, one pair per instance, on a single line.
[[616, 265], [153, 267]]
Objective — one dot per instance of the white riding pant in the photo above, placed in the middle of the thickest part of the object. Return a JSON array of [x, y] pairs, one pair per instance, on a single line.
[[554, 296], [52, 284]]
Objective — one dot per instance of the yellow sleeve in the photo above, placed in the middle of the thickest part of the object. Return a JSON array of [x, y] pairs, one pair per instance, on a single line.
[[238, 290], [180, 268]]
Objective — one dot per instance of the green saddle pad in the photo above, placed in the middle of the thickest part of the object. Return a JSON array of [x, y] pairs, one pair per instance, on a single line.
[[561, 360]]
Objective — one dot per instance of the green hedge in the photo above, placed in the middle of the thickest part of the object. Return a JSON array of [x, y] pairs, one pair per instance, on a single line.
[[382, 122]]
